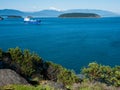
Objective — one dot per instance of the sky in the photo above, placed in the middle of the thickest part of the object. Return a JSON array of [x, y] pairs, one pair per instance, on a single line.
[[37, 5]]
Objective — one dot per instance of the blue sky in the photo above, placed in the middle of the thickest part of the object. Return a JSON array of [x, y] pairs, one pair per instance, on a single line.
[[36, 5]]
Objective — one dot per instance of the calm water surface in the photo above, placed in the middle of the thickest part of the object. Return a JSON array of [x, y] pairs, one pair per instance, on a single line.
[[72, 43]]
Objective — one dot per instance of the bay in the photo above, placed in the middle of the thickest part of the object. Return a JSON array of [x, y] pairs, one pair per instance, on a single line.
[[71, 42]]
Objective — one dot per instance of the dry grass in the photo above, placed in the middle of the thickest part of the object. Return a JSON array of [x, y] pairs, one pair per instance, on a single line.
[[92, 86]]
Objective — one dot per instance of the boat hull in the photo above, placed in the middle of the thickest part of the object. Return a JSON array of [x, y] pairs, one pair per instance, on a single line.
[[33, 22]]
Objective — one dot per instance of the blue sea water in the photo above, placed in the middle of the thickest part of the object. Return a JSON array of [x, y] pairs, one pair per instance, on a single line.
[[70, 42]]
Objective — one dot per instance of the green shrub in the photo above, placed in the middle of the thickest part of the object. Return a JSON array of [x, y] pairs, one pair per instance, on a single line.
[[0, 53], [102, 73], [67, 77], [27, 62], [16, 54]]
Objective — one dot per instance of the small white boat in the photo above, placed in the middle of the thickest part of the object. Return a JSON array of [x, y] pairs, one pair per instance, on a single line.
[[30, 20]]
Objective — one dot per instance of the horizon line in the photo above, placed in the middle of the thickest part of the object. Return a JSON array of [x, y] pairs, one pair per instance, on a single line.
[[57, 10]]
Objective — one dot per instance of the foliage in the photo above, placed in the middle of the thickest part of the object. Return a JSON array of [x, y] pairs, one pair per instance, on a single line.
[[83, 86], [26, 87], [67, 77], [0, 53], [102, 73], [26, 61], [32, 67]]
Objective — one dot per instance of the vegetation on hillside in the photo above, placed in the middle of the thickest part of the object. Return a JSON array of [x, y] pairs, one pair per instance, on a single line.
[[34, 70], [60, 74], [82, 86], [102, 73]]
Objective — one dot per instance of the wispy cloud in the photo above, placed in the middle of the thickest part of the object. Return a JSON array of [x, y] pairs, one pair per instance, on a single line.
[[35, 8], [54, 8]]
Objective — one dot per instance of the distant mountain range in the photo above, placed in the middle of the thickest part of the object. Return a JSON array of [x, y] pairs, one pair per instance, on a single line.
[[55, 13]]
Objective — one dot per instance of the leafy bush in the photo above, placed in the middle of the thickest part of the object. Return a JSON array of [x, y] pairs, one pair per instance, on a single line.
[[27, 62], [102, 73], [67, 77], [0, 53]]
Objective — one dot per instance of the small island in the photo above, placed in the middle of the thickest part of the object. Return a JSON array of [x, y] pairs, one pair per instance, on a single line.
[[9, 16], [14, 16], [79, 15]]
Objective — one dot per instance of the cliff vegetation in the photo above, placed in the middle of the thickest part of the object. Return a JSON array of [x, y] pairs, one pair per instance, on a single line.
[[44, 75]]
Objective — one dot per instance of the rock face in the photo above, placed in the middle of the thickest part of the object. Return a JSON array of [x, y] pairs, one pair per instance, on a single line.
[[8, 77], [79, 15]]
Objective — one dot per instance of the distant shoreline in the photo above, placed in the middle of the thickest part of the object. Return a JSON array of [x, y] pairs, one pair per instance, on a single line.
[[55, 13]]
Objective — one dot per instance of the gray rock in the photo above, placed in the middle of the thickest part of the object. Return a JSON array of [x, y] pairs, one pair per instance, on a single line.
[[8, 77]]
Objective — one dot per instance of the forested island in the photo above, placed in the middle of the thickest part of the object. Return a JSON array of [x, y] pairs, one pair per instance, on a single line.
[[23, 70], [14, 16], [9, 16], [79, 15]]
